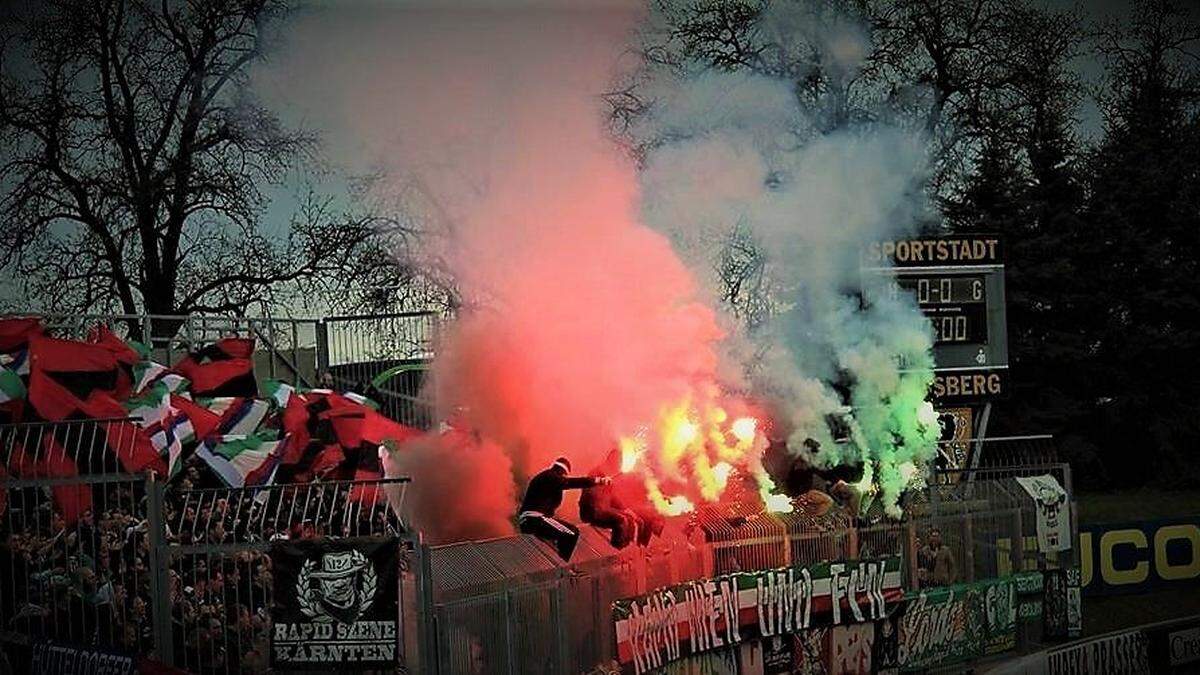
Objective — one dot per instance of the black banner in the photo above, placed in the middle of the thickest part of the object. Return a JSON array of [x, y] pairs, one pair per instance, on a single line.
[[1061, 613], [336, 604], [48, 658]]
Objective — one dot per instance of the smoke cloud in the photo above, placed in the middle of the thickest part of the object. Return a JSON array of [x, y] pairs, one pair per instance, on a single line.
[[582, 320], [737, 151], [455, 494]]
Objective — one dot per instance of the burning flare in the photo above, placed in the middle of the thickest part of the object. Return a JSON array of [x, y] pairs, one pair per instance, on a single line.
[[693, 453]]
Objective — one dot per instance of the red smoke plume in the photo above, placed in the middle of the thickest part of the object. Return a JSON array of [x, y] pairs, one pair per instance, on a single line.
[[582, 323]]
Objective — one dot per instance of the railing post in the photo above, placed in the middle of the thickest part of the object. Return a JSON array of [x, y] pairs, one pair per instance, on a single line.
[[271, 351], [510, 651], [969, 535], [910, 554], [147, 334], [322, 348], [558, 614], [428, 659], [1018, 544], [160, 578]]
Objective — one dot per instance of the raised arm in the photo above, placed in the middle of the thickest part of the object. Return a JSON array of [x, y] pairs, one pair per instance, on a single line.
[[578, 482]]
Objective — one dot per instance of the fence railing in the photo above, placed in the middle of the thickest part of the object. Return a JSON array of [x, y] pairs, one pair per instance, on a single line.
[[127, 563], [216, 561], [383, 355], [287, 349], [511, 606], [1006, 451], [86, 581], [62, 450]]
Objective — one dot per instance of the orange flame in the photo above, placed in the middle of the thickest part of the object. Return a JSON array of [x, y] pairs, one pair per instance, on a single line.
[[694, 450]]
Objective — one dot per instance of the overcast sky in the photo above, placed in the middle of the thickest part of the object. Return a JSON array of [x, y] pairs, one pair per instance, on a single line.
[[317, 13], [346, 13]]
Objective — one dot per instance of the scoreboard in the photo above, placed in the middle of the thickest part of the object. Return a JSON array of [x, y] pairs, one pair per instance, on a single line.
[[957, 281], [956, 305]]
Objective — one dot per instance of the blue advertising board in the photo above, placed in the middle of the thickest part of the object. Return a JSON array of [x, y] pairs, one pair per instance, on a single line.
[[1136, 556]]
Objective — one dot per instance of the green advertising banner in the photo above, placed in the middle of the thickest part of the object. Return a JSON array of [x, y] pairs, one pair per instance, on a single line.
[[942, 626], [671, 623], [1029, 595]]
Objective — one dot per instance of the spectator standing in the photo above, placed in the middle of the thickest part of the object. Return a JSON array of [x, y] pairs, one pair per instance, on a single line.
[[935, 562]]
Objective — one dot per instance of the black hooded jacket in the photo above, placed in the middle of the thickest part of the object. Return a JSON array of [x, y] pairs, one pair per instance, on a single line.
[[545, 491]]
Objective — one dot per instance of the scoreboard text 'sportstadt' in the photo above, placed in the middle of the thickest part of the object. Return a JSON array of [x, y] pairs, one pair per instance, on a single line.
[[957, 282]]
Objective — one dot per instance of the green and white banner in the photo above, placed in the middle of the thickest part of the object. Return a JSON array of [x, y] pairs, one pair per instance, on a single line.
[[952, 624]]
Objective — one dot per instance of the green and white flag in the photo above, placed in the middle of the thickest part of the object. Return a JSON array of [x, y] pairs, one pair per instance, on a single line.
[[168, 427], [11, 385], [150, 406], [279, 392], [147, 373], [242, 460]]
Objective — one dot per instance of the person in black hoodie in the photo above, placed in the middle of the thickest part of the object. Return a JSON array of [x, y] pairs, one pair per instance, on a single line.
[[543, 496]]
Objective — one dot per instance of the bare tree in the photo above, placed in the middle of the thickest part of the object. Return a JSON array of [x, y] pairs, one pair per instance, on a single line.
[[137, 165]]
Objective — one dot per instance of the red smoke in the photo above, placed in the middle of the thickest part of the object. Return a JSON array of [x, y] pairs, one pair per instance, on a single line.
[[587, 323], [583, 322], [460, 489]]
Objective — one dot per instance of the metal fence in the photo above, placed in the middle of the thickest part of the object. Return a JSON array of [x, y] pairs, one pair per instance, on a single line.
[[344, 352], [217, 569], [286, 349], [511, 605], [385, 355], [1013, 451], [120, 563], [76, 550], [92, 556]]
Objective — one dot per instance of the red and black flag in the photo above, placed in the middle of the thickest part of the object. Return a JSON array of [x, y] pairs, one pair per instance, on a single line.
[[224, 368], [64, 373], [125, 355], [126, 440], [51, 461], [15, 333]]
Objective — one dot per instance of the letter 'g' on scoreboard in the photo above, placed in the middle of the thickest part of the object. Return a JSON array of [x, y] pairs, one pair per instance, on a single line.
[[957, 281]]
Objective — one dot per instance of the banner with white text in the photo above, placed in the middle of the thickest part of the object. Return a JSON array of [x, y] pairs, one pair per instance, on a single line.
[[671, 623], [336, 604]]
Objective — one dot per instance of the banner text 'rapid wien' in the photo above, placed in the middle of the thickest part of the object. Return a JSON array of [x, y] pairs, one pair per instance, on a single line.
[[696, 617]]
